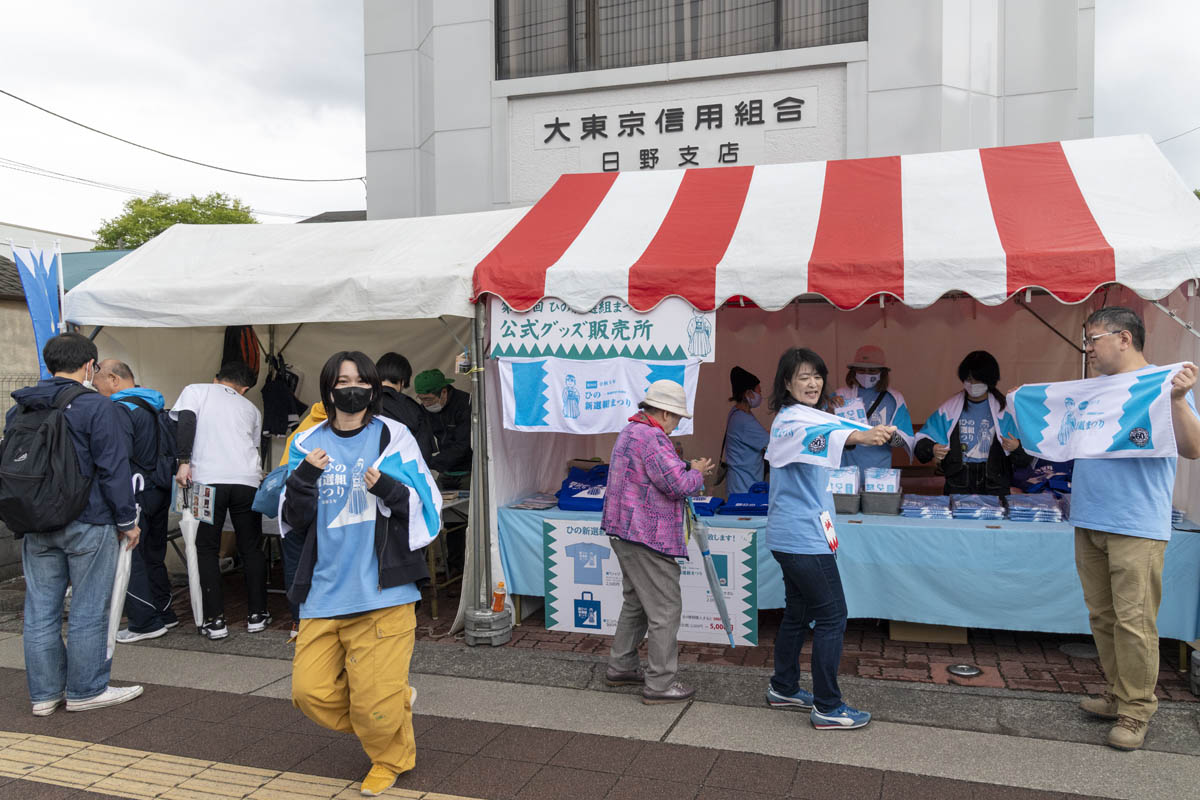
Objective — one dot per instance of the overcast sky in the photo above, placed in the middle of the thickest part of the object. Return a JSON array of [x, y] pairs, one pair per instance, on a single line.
[[270, 86], [276, 86], [1148, 75]]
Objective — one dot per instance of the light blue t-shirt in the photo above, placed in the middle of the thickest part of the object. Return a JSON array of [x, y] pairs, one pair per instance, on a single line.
[[745, 441], [872, 456], [589, 562], [1130, 496], [799, 493], [975, 431], [346, 576]]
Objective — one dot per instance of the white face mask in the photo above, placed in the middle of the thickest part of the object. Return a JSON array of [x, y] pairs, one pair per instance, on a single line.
[[866, 381], [435, 408], [753, 399], [975, 391], [87, 382]]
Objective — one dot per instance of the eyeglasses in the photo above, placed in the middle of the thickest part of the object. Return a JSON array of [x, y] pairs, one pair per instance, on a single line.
[[1090, 340]]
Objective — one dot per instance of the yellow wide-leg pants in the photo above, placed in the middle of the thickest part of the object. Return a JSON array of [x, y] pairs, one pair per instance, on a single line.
[[351, 675]]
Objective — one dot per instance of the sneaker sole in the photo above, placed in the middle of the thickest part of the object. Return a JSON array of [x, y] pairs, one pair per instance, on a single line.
[[45, 712], [169, 625], [214, 635], [256, 628], [90, 705], [665, 701], [834, 726], [137, 637], [789, 705]]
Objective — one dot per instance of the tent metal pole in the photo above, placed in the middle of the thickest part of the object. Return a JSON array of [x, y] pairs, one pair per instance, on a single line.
[[1052, 329], [480, 519], [95, 332], [1186, 325]]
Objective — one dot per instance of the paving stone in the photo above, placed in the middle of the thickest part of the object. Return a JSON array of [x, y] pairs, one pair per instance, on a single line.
[[340, 758], [817, 780], [903, 786], [521, 743], [753, 773], [460, 736], [432, 768], [631, 787], [599, 753], [213, 742], [673, 762], [990, 791], [33, 790], [217, 707], [280, 750], [554, 783], [493, 778], [710, 793]]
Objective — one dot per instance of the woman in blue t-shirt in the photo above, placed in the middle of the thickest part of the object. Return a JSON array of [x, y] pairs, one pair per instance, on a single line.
[[801, 537], [972, 435], [362, 501]]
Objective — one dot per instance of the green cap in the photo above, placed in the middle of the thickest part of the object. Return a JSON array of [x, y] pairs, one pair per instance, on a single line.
[[431, 381]]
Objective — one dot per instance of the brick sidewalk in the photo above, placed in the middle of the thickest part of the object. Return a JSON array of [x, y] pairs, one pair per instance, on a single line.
[[459, 757]]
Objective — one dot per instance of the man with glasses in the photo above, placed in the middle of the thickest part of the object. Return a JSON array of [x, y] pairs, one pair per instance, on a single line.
[[1121, 509]]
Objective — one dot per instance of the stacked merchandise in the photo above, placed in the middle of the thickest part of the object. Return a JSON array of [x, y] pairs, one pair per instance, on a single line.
[[706, 506], [1042, 507], [925, 506], [1176, 516], [881, 481], [976, 506], [843, 480]]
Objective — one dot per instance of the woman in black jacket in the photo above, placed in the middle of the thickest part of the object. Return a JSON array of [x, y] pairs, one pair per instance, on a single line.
[[967, 436]]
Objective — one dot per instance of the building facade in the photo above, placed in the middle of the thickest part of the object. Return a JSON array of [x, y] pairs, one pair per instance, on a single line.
[[480, 104]]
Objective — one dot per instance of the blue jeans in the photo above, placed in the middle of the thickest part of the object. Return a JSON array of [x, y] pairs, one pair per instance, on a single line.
[[813, 594], [86, 557]]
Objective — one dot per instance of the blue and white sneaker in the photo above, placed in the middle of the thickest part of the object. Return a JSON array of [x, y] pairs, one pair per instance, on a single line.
[[842, 718], [800, 701]]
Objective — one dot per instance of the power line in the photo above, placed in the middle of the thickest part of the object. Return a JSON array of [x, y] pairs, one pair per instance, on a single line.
[[170, 155], [42, 172], [1176, 136]]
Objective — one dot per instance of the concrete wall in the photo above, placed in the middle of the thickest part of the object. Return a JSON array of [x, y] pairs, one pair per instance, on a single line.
[[28, 237], [444, 136]]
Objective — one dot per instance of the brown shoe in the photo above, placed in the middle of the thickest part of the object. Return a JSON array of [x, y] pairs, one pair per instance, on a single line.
[[634, 677], [675, 693], [1104, 706], [1127, 734]]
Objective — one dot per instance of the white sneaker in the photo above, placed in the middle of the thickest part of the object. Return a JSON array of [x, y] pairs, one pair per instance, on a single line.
[[126, 636], [412, 696], [111, 696], [47, 707]]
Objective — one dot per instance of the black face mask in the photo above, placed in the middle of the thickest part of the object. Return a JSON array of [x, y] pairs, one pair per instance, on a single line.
[[351, 399]]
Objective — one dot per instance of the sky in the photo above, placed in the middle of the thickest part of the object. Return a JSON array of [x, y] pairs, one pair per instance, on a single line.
[[1148, 76], [270, 86]]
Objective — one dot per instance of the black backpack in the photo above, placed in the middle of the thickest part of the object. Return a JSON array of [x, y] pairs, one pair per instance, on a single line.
[[42, 489], [160, 474]]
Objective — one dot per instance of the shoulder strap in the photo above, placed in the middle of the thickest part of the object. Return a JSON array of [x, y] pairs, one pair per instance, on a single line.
[[142, 404], [67, 396], [875, 405]]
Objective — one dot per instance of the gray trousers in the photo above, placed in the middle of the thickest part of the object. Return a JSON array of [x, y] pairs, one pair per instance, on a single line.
[[652, 607]]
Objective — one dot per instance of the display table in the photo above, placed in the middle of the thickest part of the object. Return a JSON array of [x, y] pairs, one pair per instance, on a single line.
[[970, 573]]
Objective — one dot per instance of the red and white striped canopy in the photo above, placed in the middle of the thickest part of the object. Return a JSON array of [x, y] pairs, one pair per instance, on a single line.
[[1067, 217]]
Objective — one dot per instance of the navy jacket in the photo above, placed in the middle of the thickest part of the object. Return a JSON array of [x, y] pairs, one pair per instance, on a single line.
[[140, 428], [412, 415], [451, 433], [100, 444]]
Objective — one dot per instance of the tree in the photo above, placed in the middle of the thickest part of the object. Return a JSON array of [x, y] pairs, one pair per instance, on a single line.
[[145, 218]]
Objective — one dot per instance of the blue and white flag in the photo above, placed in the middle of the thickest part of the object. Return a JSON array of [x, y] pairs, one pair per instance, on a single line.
[[1114, 416], [574, 396], [39, 271], [801, 434], [401, 460], [940, 423]]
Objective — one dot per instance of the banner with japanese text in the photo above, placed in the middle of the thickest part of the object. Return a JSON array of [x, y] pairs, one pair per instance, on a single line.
[[567, 396], [673, 331], [583, 583]]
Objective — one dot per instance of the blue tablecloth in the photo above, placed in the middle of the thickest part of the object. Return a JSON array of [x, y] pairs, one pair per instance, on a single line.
[[972, 573]]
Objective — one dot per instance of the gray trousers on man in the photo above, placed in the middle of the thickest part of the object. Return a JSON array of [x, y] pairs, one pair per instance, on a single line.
[[653, 604]]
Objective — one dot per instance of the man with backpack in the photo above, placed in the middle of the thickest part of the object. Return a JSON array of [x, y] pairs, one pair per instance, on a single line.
[[151, 455], [217, 440], [65, 490]]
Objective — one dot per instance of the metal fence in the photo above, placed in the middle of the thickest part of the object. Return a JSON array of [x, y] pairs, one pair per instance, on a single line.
[[8, 385]]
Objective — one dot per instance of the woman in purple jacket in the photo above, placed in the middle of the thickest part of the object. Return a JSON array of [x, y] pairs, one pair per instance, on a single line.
[[643, 514]]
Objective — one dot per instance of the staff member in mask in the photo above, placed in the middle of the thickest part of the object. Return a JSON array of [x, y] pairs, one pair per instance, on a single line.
[[745, 438], [867, 390], [972, 436]]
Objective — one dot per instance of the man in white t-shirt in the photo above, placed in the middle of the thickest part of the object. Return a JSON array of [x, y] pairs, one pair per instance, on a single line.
[[1121, 509], [217, 440]]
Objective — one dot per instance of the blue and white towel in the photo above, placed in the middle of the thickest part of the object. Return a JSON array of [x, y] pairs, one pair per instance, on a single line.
[[941, 422], [976, 506], [1042, 507], [925, 506], [843, 480], [801, 434], [1113, 416]]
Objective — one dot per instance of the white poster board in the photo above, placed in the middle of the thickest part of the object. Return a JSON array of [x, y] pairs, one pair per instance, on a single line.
[[583, 583]]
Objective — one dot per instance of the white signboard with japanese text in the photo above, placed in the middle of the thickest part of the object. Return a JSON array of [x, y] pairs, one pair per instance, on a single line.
[[597, 396], [672, 331], [693, 132], [583, 583]]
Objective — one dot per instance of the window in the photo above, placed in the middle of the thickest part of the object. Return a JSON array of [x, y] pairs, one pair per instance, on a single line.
[[550, 37]]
